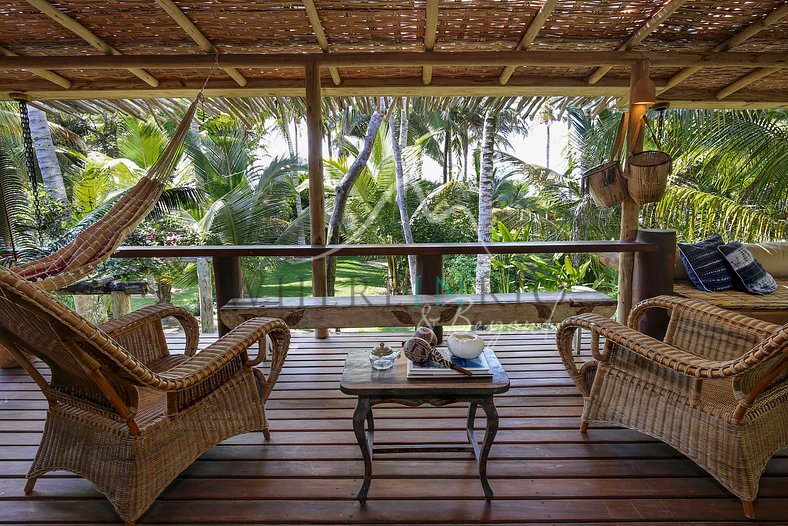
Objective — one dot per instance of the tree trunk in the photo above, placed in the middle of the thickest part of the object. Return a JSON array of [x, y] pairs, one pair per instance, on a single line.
[[285, 126], [90, 307], [343, 191], [121, 304], [485, 201], [46, 156], [465, 160], [206, 295], [401, 203], [547, 147], [164, 291]]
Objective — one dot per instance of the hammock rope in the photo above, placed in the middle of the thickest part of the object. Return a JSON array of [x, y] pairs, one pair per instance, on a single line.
[[96, 243]]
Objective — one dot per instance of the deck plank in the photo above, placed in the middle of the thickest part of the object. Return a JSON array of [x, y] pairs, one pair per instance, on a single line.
[[542, 468]]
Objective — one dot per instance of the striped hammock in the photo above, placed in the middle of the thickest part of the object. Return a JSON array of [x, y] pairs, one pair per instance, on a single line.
[[95, 244]]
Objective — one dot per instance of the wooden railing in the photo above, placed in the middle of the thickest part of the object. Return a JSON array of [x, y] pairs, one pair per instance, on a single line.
[[429, 257]]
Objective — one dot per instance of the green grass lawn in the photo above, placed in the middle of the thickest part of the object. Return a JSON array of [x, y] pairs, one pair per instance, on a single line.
[[355, 276]]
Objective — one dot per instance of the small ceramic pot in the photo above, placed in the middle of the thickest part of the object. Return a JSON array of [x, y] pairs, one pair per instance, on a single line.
[[465, 345]]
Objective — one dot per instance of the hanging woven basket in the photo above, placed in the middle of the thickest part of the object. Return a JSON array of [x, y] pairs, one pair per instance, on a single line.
[[647, 176], [606, 182]]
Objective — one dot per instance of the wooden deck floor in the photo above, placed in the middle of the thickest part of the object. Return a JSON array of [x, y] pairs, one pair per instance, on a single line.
[[542, 468]]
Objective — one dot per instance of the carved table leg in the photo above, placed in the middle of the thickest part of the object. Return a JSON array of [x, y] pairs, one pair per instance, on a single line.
[[365, 440], [489, 435]]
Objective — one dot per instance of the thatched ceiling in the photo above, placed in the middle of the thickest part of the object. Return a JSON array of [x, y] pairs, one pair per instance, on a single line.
[[702, 53]]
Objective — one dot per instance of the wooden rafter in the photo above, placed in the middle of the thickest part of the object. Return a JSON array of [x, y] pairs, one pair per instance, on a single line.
[[645, 30], [199, 38], [80, 30], [528, 37], [553, 58], [525, 86], [320, 35], [745, 81], [51, 76], [753, 29], [430, 36]]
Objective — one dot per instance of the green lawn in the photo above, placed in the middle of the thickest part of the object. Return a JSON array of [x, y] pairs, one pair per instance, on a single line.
[[355, 276]]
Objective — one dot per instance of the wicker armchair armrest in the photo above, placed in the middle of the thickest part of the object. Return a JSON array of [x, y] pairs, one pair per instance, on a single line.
[[123, 327], [217, 363], [666, 355]]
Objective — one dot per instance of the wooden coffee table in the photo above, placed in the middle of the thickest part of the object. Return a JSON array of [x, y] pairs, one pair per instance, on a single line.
[[392, 386]]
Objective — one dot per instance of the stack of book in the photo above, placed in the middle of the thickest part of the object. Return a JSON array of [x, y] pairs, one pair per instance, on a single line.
[[478, 366]]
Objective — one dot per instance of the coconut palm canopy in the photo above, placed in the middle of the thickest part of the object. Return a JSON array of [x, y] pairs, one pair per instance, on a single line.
[[702, 54]]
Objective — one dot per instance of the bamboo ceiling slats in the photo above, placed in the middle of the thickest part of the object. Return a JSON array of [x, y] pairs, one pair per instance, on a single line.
[[194, 28]]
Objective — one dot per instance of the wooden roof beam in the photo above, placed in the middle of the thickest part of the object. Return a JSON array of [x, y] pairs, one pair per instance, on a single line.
[[320, 35], [430, 36], [745, 81], [529, 36], [753, 29], [645, 30], [553, 58], [51, 76], [80, 30], [199, 38]]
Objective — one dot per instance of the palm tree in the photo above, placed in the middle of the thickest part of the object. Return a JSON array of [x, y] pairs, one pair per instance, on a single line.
[[485, 199]]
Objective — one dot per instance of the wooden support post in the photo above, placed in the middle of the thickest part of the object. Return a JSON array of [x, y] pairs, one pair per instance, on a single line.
[[228, 277], [630, 211], [316, 192], [429, 272], [653, 275]]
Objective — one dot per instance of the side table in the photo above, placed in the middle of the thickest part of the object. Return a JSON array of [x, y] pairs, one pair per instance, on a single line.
[[374, 387]]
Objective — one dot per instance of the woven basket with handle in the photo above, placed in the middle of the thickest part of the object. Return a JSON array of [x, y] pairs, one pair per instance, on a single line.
[[647, 173], [606, 182]]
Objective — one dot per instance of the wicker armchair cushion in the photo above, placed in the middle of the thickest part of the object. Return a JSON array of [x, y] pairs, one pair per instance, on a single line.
[[750, 274], [706, 266]]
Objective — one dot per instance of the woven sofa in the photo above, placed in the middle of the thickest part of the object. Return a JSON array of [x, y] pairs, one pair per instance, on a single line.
[[771, 307]]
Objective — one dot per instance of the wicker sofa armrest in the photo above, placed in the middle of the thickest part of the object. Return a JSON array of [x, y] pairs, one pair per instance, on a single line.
[[671, 303], [126, 328]]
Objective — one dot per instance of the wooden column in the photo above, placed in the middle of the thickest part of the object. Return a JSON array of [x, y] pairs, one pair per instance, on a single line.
[[429, 272], [630, 211], [314, 129], [653, 275], [228, 277]]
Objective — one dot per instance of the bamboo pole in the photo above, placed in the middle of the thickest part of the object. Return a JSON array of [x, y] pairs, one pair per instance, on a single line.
[[630, 211], [529, 36], [320, 36], [645, 30], [316, 191], [430, 35]]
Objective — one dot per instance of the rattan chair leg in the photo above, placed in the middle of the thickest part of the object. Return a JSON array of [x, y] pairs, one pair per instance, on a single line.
[[267, 434], [749, 509], [130, 523], [31, 483], [583, 427]]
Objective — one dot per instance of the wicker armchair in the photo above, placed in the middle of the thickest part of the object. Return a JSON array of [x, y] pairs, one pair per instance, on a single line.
[[123, 412], [716, 388]]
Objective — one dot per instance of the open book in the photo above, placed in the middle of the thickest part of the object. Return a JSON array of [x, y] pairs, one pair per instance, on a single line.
[[478, 366]]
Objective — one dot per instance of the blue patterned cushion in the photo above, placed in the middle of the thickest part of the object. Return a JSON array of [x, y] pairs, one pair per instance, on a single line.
[[706, 267], [748, 270]]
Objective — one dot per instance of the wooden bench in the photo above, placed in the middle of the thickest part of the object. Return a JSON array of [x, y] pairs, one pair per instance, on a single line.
[[409, 311]]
